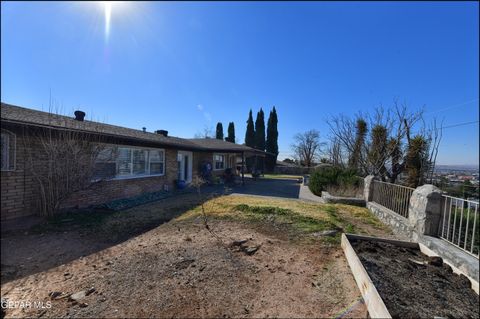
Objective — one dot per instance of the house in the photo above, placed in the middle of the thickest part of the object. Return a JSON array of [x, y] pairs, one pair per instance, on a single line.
[[142, 161]]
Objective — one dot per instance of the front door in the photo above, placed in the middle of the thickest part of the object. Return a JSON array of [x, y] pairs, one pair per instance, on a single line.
[[185, 166]]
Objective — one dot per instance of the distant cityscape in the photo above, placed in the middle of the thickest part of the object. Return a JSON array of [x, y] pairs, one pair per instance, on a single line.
[[458, 180]]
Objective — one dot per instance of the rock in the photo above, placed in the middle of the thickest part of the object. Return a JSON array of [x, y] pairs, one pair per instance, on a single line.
[[448, 268], [251, 250], [464, 281], [238, 242], [76, 297], [418, 262], [329, 232], [90, 291], [54, 294], [83, 304], [435, 261]]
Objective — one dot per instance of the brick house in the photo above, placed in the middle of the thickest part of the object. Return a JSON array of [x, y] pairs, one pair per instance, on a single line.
[[142, 161]]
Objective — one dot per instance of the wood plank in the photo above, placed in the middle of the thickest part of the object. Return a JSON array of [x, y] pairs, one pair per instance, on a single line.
[[400, 243], [427, 251], [375, 305]]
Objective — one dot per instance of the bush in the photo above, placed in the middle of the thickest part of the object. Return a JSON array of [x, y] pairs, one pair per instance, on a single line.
[[332, 176]]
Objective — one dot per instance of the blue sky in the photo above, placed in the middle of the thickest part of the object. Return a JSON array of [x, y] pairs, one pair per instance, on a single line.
[[183, 66]]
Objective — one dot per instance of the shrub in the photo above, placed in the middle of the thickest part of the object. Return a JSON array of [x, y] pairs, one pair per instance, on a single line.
[[332, 176]]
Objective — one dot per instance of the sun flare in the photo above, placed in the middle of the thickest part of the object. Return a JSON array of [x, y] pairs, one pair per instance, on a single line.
[[108, 7]]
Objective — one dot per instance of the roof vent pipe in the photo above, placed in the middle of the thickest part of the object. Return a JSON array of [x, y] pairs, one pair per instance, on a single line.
[[144, 129], [162, 132], [79, 115]]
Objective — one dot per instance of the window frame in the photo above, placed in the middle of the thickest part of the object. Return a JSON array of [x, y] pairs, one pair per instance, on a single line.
[[162, 160], [147, 163], [11, 147], [224, 157], [146, 151]]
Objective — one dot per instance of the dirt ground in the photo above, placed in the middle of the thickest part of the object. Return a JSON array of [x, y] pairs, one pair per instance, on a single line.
[[411, 287], [132, 264]]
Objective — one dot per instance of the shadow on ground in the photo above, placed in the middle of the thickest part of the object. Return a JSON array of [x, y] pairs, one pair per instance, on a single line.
[[75, 235]]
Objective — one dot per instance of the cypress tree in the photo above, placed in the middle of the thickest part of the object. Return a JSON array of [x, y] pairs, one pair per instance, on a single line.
[[260, 131], [272, 140], [219, 132], [231, 133], [250, 133]]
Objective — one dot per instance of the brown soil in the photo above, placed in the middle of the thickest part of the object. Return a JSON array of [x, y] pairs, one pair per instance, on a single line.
[[179, 269], [413, 288]]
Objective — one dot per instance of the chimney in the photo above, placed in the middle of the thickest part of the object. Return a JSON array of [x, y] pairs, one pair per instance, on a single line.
[[144, 129], [79, 115], [162, 132]]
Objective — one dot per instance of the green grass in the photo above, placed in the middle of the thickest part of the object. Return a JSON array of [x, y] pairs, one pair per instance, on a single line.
[[303, 223], [297, 218]]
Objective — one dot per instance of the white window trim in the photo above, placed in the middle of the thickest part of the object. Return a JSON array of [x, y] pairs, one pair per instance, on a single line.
[[12, 138], [147, 163], [214, 161]]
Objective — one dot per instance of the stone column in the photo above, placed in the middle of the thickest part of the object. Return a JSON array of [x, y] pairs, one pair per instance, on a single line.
[[424, 211], [368, 188]]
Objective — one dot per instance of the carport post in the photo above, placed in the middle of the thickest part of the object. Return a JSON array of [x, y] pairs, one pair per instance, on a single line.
[[243, 165]]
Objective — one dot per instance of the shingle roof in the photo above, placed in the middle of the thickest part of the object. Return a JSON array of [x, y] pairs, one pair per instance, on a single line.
[[21, 115], [214, 144]]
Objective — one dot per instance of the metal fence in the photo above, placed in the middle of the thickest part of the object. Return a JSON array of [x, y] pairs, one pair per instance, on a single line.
[[460, 224], [392, 196]]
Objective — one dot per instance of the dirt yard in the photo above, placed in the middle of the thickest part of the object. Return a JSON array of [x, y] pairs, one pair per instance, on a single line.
[[258, 258]]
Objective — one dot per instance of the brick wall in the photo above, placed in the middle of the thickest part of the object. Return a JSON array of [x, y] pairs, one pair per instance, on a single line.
[[109, 190], [17, 187], [19, 190]]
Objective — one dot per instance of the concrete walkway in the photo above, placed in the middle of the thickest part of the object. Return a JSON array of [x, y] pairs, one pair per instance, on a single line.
[[307, 195]]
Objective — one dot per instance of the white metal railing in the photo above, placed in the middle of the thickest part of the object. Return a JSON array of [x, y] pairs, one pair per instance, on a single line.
[[392, 196], [460, 224]]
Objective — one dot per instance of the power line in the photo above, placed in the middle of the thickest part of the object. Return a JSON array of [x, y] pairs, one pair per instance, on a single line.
[[452, 106], [459, 124]]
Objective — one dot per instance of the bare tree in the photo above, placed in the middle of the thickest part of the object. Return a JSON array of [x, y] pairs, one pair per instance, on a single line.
[[383, 152], [206, 133], [307, 147], [61, 163], [335, 153]]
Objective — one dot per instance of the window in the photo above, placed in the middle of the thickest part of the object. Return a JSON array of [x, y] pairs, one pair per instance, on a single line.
[[156, 159], [139, 162], [8, 151], [124, 162], [105, 164], [218, 161]]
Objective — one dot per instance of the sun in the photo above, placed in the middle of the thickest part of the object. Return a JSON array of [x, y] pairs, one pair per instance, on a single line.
[[108, 8]]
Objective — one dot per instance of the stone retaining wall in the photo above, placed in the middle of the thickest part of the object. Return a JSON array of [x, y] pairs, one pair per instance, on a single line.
[[422, 224], [343, 200]]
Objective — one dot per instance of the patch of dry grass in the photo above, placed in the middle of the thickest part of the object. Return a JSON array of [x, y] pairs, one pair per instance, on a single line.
[[304, 216]]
